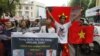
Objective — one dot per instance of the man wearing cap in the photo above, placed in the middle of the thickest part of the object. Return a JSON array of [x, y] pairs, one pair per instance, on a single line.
[[9, 27]]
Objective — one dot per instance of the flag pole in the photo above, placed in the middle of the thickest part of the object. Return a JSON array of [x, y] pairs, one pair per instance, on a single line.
[[40, 22], [77, 50], [77, 45]]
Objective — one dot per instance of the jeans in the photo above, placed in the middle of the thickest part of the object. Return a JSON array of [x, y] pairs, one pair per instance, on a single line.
[[7, 44]]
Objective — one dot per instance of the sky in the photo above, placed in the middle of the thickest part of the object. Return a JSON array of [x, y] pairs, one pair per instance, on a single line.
[[52, 2]]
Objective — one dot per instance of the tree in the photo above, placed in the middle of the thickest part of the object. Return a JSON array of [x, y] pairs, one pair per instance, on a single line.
[[8, 7], [74, 3], [86, 4]]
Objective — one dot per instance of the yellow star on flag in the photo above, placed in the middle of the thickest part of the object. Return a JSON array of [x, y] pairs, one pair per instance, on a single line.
[[63, 15], [81, 34]]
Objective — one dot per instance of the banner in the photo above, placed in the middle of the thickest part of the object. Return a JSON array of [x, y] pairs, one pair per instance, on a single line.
[[34, 46]]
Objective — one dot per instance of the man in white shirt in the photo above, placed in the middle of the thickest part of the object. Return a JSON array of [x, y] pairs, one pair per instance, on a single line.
[[47, 28], [62, 30]]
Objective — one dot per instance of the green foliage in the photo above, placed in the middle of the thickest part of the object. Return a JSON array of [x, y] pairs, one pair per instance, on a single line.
[[86, 4], [8, 7], [83, 3], [74, 3]]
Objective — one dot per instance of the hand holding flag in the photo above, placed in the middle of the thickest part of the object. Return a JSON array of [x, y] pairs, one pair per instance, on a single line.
[[49, 13]]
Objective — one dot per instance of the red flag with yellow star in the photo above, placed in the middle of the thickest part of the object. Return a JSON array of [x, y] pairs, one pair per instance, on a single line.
[[58, 11], [89, 30], [80, 34], [76, 33]]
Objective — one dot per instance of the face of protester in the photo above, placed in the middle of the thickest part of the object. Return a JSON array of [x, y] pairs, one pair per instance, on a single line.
[[35, 22], [50, 51], [23, 24], [81, 21], [62, 20], [8, 24]]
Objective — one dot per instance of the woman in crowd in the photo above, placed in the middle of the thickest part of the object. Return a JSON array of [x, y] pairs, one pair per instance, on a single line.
[[9, 27], [35, 26], [1, 44], [23, 26], [48, 27], [35, 23]]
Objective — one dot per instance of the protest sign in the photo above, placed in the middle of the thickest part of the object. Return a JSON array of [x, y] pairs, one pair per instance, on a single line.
[[34, 46]]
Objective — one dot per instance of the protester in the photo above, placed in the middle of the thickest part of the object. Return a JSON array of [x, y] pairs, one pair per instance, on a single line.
[[23, 26], [35, 26], [62, 31], [8, 29], [94, 46], [35, 23], [48, 27], [1, 44], [75, 25], [1, 28]]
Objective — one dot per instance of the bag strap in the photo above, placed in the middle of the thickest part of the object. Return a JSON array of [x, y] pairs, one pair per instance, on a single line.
[[47, 30]]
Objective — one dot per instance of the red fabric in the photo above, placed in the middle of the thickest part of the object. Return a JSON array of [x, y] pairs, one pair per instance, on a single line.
[[65, 50], [4, 20], [56, 11], [89, 30], [74, 31], [74, 38]]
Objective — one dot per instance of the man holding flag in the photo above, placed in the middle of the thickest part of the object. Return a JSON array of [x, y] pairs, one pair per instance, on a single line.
[[62, 25], [80, 35]]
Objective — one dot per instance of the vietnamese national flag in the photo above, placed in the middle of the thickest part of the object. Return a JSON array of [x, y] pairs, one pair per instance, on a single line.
[[89, 30], [74, 30], [80, 34], [57, 11]]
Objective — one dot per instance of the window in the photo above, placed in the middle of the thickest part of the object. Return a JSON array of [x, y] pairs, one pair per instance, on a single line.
[[27, 13], [20, 13], [26, 7], [31, 7], [20, 7], [31, 14]]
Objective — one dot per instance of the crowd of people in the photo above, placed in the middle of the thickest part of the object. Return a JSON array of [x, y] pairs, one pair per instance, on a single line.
[[24, 25], [7, 27]]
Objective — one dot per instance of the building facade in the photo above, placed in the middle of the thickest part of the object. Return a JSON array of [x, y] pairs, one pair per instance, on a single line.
[[28, 9], [97, 2]]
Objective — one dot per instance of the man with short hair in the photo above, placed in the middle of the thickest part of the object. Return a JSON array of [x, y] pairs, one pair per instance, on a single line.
[[62, 31]]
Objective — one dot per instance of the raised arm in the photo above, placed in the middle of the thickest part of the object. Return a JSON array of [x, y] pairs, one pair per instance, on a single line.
[[52, 18], [78, 15]]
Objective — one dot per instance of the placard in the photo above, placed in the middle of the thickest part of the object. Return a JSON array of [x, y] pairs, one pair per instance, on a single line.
[[34, 46]]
